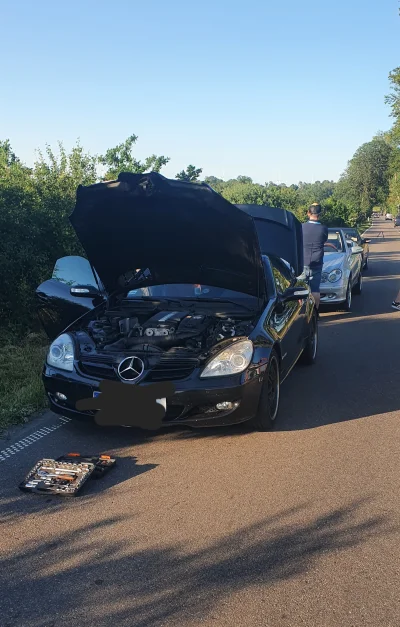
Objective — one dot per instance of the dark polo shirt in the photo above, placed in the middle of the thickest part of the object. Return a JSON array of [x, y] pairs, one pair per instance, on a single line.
[[315, 235]]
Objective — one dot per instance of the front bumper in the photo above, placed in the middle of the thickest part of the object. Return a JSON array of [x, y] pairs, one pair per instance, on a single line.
[[193, 403], [331, 293]]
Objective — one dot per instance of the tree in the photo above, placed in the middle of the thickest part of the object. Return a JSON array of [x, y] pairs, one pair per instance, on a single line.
[[393, 137], [393, 100], [120, 159], [190, 175], [315, 192], [245, 193], [7, 155], [34, 209], [365, 182]]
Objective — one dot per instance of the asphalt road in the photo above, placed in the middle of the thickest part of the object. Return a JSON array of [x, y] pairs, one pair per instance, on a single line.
[[228, 527]]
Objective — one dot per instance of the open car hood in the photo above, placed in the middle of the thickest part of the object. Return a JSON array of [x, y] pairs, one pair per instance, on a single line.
[[279, 233], [173, 231]]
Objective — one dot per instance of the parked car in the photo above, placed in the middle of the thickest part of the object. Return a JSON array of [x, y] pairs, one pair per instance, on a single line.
[[388, 216], [342, 270], [354, 235], [187, 287], [396, 221]]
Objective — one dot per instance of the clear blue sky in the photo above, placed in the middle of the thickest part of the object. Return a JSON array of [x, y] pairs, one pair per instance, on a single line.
[[282, 91]]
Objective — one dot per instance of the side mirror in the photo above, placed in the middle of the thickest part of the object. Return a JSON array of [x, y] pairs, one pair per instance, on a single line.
[[294, 293], [357, 250], [349, 244], [85, 291]]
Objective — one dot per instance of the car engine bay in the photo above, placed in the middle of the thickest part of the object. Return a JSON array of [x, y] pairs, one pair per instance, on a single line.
[[119, 330]]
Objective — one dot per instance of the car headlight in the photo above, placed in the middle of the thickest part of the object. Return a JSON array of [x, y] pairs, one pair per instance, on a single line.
[[232, 360], [334, 276], [61, 353]]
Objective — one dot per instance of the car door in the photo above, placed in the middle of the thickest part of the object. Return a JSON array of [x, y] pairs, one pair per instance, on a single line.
[[287, 319], [355, 262], [364, 245], [360, 242], [350, 264], [57, 307]]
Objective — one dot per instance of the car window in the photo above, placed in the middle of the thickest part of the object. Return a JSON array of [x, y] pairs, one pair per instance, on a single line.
[[282, 275], [334, 242], [353, 233], [74, 271], [186, 290]]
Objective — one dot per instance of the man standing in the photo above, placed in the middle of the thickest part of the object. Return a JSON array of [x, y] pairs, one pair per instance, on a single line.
[[315, 235]]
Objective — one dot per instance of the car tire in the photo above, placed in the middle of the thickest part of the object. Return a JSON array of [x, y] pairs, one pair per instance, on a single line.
[[268, 405], [359, 285], [347, 303], [309, 354]]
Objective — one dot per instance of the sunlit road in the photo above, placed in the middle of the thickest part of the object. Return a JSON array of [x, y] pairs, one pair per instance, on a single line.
[[229, 527]]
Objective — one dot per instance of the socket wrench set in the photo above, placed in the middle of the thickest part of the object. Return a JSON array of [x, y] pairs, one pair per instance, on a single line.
[[66, 475]]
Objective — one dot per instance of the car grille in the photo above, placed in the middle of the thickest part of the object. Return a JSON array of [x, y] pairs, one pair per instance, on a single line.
[[157, 369], [172, 369], [99, 367]]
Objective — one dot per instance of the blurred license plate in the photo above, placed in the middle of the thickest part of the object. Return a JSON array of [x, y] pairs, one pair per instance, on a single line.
[[161, 401]]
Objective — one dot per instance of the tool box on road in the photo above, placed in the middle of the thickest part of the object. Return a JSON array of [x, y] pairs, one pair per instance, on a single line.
[[66, 475], [102, 463]]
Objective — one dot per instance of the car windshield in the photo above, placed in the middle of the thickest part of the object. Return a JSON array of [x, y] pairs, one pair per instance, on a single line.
[[352, 233], [334, 243], [186, 290]]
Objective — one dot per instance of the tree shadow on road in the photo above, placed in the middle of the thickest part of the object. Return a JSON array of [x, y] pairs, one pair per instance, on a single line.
[[95, 574]]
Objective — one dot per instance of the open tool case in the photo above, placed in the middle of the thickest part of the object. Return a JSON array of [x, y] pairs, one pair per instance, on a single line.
[[66, 475]]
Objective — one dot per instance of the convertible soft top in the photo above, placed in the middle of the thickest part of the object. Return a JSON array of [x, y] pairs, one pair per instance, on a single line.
[[279, 234]]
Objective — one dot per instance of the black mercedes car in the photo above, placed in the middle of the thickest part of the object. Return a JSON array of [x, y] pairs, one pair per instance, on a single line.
[[179, 285]]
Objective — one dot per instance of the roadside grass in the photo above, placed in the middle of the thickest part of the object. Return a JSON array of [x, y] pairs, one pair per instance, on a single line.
[[363, 227], [21, 388]]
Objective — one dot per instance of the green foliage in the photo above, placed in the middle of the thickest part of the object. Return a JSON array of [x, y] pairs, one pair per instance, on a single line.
[[216, 183], [393, 100], [245, 193], [365, 182], [296, 198], [34, 207], [121, 159], [393, 137], [8, 157], [190, 175], [21, 388]]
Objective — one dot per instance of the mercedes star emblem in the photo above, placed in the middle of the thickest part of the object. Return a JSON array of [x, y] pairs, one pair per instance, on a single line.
[[130, 369]]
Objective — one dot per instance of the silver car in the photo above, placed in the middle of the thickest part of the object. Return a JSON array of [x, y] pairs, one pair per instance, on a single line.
[[342, 270]]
